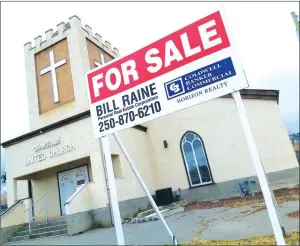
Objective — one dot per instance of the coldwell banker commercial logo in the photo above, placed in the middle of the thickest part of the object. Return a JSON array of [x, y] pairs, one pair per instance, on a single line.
[[200, 78], [174, 88]]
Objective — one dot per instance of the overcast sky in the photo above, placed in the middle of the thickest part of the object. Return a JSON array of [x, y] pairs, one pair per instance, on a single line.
[[264, 34]]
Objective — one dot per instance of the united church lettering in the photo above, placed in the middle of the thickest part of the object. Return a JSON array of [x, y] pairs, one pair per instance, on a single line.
[[49, 153]]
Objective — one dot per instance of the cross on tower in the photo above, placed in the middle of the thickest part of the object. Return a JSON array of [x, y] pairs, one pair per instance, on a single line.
[[102, 61], [51, 69]]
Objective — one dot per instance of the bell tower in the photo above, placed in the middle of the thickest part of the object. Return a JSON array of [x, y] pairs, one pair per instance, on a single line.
[[56, 68]]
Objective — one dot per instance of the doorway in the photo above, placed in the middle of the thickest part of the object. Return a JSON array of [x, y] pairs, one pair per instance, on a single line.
[[69, 181]]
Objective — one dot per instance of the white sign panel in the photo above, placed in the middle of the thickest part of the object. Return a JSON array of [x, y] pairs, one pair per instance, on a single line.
[[190, 66]]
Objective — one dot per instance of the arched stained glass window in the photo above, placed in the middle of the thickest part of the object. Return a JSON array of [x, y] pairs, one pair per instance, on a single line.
[[195, 159]]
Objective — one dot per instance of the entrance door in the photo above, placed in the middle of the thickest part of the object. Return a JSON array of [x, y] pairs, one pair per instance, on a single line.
[[69, 181]]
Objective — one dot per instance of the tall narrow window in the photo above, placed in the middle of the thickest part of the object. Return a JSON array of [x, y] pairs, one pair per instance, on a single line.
[[195, 159]]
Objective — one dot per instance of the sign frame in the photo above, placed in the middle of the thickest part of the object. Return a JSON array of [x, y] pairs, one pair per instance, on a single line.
[[113, 121], [252, 149]]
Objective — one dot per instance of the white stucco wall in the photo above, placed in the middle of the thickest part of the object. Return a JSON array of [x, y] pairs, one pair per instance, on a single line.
[[271, 135], [218, 124], [136, 144], [14, 217], [79, 133], [92, 199], [22, 186]]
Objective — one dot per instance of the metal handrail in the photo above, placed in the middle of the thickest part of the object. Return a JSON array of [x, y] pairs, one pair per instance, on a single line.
[[76, 193], [36, 202], [44, 208], [12, 206]]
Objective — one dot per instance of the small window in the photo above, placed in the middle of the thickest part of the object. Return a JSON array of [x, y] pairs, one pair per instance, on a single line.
[[116, 166]]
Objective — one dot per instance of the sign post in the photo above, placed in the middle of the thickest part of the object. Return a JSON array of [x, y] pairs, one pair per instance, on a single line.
[[259, 168], [138, 176], [113, 191], [192, 65], [113, 196]]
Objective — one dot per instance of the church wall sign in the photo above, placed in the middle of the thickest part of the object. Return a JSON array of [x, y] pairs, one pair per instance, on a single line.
[[48, 149], [192, 65]]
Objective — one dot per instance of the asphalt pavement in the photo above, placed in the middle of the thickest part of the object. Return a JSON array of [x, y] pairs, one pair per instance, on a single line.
[[217, 223]]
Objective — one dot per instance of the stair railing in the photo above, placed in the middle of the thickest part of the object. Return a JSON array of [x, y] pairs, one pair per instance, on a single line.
[[11, 207], [44, 208]]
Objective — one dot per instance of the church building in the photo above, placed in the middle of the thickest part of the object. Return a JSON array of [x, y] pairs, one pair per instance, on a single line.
[[56, 170]]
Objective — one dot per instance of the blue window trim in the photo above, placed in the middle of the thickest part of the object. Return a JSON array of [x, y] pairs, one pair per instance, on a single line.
[[208, 165]]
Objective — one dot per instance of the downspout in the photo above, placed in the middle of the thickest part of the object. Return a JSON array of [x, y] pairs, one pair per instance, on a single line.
[[106, 181]]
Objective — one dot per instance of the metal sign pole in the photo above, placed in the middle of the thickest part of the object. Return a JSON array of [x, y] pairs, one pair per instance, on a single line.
[[259, 168], [107, 185], [275, 203], [138, 176], [113, 191], [278, 214]]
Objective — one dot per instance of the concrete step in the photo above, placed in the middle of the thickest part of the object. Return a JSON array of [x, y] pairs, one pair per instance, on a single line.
[[39, 235], [165, 213], [37, 222], [49, 228], [150, 211], [43, 225], [173, 205]]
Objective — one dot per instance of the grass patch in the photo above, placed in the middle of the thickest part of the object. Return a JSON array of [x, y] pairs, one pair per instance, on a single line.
[[294, 214], [201, 231], [290, 239]]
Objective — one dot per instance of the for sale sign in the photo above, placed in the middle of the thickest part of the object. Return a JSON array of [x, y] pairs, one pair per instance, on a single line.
[[192, 65]]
